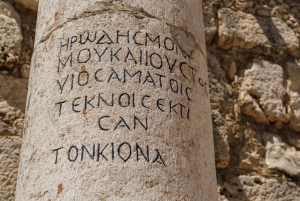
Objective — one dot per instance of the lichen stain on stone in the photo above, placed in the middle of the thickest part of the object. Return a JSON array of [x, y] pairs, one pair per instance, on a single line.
[[59, 189], [84, 114], [115, 7], [56, 16]]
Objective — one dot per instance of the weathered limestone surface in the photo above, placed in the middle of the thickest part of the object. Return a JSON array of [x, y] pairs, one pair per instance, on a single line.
[[252, 153], [294, 139], [14, 91], [234, 30], [293, 71], [262, 93], [10, 36], [118, 102], [254, 87], [221, 134], [11, 120], [281, 156], [9, 163], [138, 8], [11, 125], [210, 26], [255, 188], [220, 90], [258, 30], [244, 31], [32, 4]]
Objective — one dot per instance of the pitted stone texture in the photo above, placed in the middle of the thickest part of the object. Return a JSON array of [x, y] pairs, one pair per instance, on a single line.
[[220, 90], [8, 10], [231, 71], [262, 93], [11, 120], [28, 26], [10, 36], [294, 139], [234, 30], [221, 197], [5, 129], [257, 188], [9, 163], [32, 4], [55, 13], [252, 155], [281, 156], [221, 134], [209, 26], [239, 31], [14, 91], [293, 89], [185, 140], [11, 129]]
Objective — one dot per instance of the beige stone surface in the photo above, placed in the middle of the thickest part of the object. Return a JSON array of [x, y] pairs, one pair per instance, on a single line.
[[256, 188], [239, 29], [245, 31], [124, 115], [252, 154], [10, 36], [262, 93], [139, 8], [281, 156], [11, 127], [221, 197], [11, 120], [247, 148], [9, 158], [28, 27], [220, 90], [210, 25], [221, 134], [9, 11], [14, 91], [293, 89], [32, 4], [294, 139], [231, 71]]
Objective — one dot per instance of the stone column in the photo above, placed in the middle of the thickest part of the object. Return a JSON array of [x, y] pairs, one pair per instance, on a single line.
[[118, 105]]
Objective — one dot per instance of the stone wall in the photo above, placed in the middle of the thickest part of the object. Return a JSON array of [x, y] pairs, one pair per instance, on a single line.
[[253, 59], [17, 30], [254, 69]]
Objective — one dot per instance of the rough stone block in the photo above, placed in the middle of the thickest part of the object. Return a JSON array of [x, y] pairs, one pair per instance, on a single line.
[[281, 156], [244, 31], [293, 89], [10, 36], [262, 93]]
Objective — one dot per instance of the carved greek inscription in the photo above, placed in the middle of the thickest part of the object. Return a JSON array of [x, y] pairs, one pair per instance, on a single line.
[[109, 152], [159, 65]]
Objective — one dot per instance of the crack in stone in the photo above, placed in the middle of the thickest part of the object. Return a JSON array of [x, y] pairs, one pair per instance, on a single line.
[[100, 8], [184, 40], [256, 99]]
